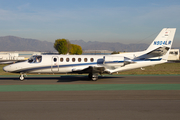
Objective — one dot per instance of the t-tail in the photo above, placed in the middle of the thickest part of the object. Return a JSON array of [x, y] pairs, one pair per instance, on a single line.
[[156, 53], [161, 45]]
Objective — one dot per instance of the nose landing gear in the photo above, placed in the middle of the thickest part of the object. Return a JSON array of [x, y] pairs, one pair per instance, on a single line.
[[21, 77]]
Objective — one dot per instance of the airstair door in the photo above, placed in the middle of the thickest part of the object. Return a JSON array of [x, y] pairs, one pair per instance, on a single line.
[[55, 64]]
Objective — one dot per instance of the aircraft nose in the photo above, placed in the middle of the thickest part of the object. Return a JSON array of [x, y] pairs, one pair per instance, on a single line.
[[7, 68]]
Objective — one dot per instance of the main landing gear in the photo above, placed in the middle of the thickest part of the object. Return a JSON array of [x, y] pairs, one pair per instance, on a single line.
[[93, 77], [21, 77]]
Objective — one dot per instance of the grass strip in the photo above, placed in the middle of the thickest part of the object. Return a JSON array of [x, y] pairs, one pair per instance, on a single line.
[[88, 87]]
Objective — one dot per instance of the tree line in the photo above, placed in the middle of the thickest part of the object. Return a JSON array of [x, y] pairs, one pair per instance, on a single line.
[[63, 46]]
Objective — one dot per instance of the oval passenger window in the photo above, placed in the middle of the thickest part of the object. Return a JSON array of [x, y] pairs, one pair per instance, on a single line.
[[67, 59], [61, 59], [55, 59], [79, 59], [85, 59], [73, 59], [92, 59]]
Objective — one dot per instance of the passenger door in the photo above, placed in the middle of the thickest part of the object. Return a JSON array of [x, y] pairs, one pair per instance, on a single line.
[[55, 64]]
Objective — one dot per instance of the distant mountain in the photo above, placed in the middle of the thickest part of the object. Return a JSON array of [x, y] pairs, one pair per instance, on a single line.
[[113, 46], [12, 43]]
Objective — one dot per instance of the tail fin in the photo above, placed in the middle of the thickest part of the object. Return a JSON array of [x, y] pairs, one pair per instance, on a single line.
[[161, 45], [164, 39]]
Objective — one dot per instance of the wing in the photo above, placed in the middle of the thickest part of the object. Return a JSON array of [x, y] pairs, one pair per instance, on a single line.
[[90, 69]]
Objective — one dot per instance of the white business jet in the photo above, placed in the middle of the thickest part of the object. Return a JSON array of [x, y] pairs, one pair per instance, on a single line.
[[156, 53]]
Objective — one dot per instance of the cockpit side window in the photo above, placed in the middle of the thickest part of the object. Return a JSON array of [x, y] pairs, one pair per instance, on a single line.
[[30, 60], [35, 59]]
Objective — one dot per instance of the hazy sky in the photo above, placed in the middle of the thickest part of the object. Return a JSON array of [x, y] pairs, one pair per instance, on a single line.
[[125, 21]]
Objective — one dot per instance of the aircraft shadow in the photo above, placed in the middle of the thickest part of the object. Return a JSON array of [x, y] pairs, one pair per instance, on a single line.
[[81, 78], [67, 78]]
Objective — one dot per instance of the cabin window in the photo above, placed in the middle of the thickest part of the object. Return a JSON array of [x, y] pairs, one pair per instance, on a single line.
[[55, 59], [92, 59], [85, 59], [61, 59], [79, 59], [67, 59], [73, 59], [171, 52], [35, 59]]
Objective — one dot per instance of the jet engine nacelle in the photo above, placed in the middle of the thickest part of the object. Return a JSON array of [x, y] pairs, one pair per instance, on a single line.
[[118, 61], [113, 61]]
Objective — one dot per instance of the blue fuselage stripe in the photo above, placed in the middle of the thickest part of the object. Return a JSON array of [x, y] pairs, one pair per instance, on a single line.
[[80, 64]]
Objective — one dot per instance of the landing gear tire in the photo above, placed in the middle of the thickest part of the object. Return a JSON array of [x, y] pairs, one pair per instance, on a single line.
[[21, 77], [93, 77]]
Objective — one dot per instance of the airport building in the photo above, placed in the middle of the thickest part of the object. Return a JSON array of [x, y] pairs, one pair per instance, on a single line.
[[14, 56], [174, 54], [20, 54], [10, 56]]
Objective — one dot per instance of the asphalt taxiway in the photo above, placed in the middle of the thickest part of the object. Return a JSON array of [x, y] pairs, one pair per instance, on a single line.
[[75, 97], [83, 79]]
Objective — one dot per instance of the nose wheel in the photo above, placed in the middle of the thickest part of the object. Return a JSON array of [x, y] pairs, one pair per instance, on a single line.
[[21, 77]]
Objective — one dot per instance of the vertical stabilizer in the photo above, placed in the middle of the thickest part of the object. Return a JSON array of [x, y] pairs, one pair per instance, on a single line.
[[164, 39], [161, 45]]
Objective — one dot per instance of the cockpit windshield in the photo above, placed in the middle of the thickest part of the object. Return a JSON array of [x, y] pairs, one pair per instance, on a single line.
[[35, 59]]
